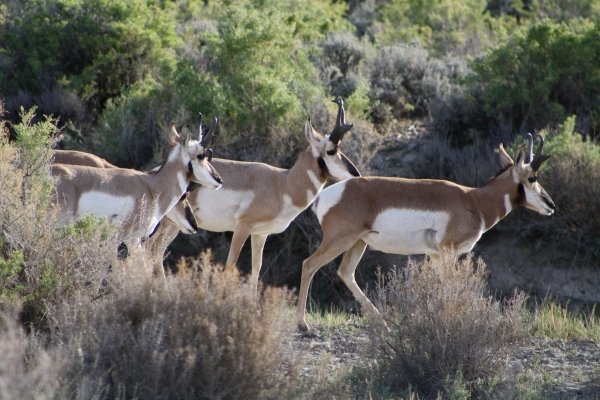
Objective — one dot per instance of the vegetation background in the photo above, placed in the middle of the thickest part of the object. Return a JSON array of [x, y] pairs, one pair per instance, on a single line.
[[432, 87]]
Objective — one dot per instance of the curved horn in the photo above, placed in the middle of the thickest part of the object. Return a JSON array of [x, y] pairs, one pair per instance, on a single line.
[[340, 123], [539, 158], [529, 152], [209, 135]]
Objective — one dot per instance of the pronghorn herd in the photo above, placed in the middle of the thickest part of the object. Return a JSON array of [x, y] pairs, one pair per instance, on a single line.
[[191, 190]]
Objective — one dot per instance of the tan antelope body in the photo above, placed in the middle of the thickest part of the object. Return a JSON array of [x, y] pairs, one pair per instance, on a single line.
[[257, 199], [75, 157], [136, 201], [181, 215], [415, 216]]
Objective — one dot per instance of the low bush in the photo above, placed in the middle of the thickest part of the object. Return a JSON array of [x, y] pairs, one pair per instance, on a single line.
[[442, 332], [40, 264], [572, 178], [27, 369], [205, 335]]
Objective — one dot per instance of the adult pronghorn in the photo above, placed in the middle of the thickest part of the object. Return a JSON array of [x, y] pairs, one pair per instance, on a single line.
[[180, 215], [75, 157], [258, 199], [137, 201], [416, 216]]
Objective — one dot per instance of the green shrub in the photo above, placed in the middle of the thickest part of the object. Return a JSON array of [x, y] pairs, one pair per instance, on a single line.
[[572, 178], [43, 265], [443, 334], [540, 76], [444, 27], [90, 48]]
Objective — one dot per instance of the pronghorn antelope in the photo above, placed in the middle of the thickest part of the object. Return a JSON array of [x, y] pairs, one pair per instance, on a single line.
[[258, 199], [74, 157], [181, 215], [416, 216], [137, 201]]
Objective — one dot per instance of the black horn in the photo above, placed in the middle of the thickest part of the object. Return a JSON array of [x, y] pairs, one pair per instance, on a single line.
[[340, 123], [206, 139], [539, 158], [529, 152]]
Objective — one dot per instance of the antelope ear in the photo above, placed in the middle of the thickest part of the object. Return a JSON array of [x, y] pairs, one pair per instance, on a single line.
[[173, 137], [312, 136], [505, 159]]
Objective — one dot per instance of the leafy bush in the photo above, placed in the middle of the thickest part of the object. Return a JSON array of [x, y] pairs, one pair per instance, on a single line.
[[572, 178], [441, 328], [444, 27], [89, 49], [212, 337], [540, 76]]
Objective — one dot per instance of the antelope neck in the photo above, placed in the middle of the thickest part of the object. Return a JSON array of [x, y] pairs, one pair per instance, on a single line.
[[496, 199], [305, 179]]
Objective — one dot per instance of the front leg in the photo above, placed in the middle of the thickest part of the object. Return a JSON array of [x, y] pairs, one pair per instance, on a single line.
[[258, 245], [240, 235]]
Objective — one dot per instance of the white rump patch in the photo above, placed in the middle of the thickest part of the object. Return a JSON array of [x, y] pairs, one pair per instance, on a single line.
[[328, 198], [408, 231]]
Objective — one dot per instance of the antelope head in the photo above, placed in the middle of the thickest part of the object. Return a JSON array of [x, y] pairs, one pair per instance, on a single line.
[[524, 173], [196, 154], [332, 161]]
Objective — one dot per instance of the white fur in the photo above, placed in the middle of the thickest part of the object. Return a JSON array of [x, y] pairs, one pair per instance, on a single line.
[[407, 231], [219, 209], [507, 205], [328, 198], [116, 208]]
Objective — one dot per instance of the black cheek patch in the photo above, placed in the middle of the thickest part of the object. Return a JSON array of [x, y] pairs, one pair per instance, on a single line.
[[520, 195], [190, 171], [323, 167]]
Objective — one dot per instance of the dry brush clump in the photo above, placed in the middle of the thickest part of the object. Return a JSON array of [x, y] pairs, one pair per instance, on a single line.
[[27, 369], [40, 264], [209, 336], [442, 333]]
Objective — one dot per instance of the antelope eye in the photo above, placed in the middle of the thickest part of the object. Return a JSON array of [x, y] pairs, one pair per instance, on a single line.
[[532, 179], [331, 152], [200, 156]]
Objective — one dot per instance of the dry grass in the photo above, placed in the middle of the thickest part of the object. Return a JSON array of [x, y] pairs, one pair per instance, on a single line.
[[27, 370], [210, 336], [443, 333]]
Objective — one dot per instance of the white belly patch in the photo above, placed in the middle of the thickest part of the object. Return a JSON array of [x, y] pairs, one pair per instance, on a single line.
[[115, 208], [217, 210], [407, 231]]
